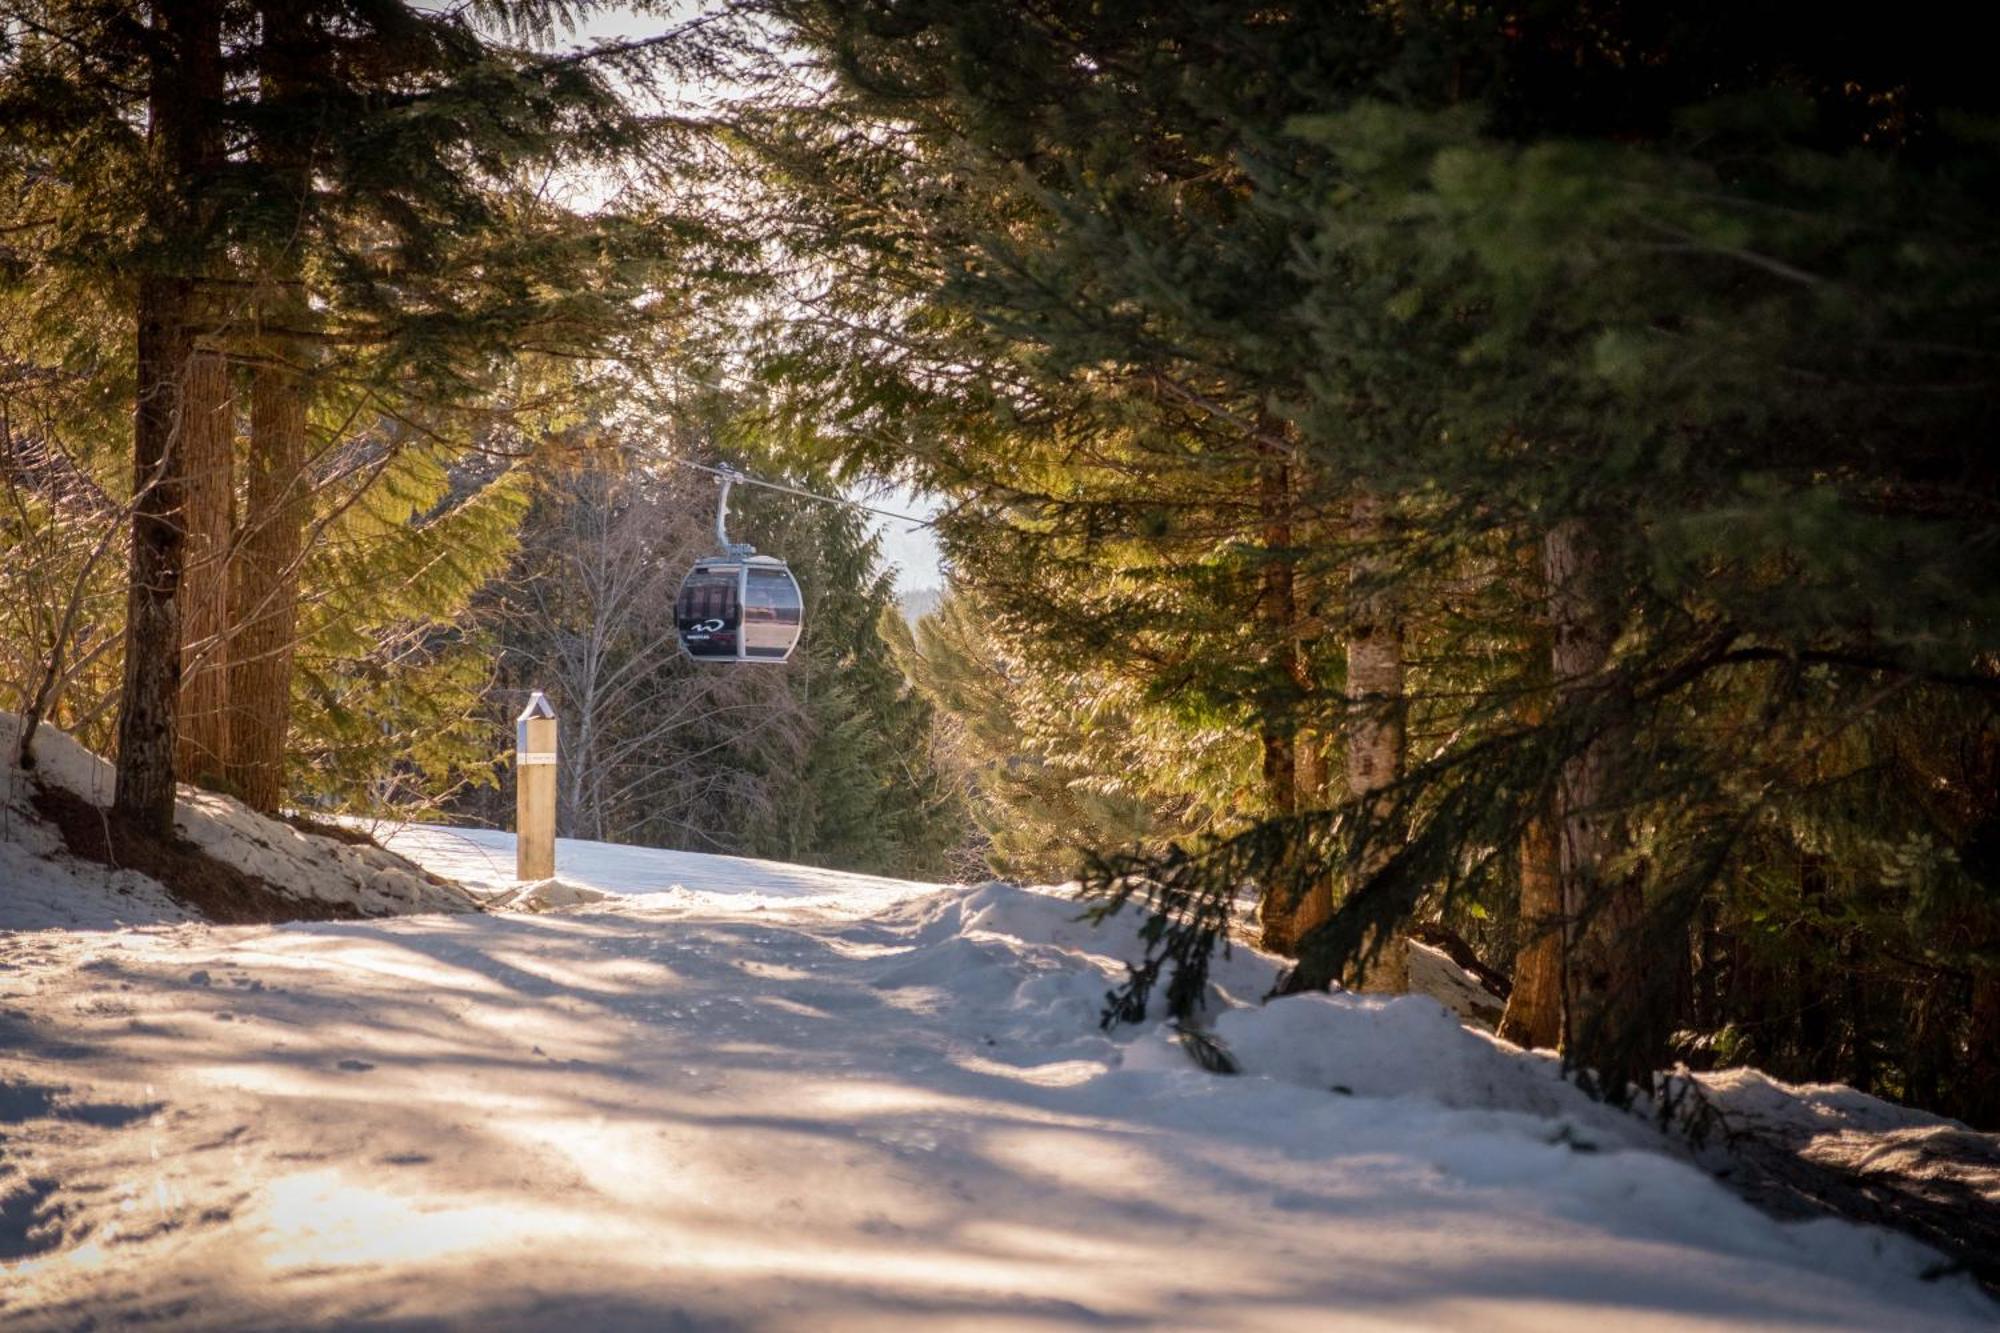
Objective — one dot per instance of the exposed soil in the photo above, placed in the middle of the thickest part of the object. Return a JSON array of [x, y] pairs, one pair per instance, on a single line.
[[218, 891]]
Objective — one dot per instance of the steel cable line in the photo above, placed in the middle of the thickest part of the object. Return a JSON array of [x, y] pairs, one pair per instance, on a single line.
[[744, 479]]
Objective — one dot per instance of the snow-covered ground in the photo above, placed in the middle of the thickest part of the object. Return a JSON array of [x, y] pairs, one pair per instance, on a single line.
[[736, 1095], [42, 886]]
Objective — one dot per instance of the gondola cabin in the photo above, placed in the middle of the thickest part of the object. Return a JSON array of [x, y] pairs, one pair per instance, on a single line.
[[739, 609]]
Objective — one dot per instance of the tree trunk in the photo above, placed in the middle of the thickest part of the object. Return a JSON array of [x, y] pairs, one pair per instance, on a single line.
[[150, 695], [1860, 1069], [1602, 908], [183, 74], [1534, 1016], [278, 488], [1277, 608], [1375, 727], [1980, 1104], [265, 591], [1818, 1056], [207, 452]]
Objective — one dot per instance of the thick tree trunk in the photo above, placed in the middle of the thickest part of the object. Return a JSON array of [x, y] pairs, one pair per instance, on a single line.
[[184, 74], [278, 492], [1375, 727], [1534, 1015], [1603, 909], [208, 456], [265, 591], [150, 696]]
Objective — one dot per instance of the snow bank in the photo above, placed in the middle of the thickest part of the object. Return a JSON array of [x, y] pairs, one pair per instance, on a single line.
[[1031, 957], [1752, 1099], [1384, 1074], [1409, 1046], [47, 887], [41, 884]]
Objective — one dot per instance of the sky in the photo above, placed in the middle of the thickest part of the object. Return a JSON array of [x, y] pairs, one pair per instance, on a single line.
[[913, 550]]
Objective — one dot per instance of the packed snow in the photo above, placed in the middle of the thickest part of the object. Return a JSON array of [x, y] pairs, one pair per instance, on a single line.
[[712, 1093]]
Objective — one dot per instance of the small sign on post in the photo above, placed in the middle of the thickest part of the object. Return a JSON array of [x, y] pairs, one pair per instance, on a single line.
[[535, 791]]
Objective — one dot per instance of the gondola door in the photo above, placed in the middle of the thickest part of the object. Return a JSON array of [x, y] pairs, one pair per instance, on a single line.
[[709, 612]]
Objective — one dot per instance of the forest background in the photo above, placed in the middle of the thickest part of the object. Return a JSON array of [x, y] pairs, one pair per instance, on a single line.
[[1522, 472]]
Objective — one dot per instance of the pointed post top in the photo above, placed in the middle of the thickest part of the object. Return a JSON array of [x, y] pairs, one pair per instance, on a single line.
[[538, 706]]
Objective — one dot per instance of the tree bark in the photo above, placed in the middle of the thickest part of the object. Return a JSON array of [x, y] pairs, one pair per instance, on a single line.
[[1375, 726], [1602, 908], [150, 695], [184, 71], [265, 590], [1277, 606], [1980, 1104], [208, 456], [278, 490], [1534, 1016]]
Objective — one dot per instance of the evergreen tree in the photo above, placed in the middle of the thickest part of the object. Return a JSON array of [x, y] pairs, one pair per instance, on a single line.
[[1060, 764], [348, 203], [826, 759], [1687, 304]]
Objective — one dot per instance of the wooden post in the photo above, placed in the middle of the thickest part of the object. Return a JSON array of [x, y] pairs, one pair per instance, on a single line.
[[535, 791]]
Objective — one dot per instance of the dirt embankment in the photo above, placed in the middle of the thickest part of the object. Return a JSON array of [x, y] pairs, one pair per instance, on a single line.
[[212, 887]]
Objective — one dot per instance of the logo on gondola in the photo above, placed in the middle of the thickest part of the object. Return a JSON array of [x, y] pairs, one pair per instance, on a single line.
[[712, 626]]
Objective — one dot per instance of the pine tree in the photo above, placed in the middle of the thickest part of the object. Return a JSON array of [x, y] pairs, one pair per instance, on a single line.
[[342, 199], [182, 64], [1040, 773], [1686, 302], [1103, 295], [826, 759]]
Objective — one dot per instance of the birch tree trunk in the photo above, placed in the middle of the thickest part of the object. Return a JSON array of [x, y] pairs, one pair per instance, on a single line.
[[1375, 727], [183, 71], [208, 457], [1603, 910]]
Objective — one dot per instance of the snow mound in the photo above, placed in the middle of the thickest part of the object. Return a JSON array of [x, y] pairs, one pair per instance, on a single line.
[[548, 895], [48, 887], [1048, 923], [1751, 1099], [1410, 1046]]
